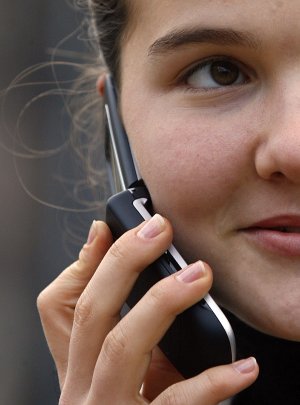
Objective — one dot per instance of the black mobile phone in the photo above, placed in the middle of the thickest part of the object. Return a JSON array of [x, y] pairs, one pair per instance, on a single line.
[[199, 338]]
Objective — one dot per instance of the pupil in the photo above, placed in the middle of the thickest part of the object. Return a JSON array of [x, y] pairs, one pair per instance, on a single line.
[[224, 73]]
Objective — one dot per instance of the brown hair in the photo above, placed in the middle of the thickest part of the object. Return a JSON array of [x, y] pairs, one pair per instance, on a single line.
[[109, 22], [106, 23]]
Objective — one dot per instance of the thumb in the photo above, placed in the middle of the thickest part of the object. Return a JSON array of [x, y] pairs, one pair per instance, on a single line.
[[212, 386]]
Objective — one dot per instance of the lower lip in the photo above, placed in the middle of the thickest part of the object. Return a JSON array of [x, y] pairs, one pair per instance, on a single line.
[[283, 243]]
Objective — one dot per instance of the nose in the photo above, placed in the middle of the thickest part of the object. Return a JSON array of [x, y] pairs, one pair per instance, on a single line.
[[278, 154]]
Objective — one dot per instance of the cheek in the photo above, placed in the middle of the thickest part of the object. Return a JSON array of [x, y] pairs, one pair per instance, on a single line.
[[190, 163]]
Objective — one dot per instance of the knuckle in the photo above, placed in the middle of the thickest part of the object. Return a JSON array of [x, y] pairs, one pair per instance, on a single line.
[[41, 301], [115, 345], [160, 297], [215, 386], [45, 301], [64, 400], [76, 267], [173, 396], [83, 310], [157, 293], [118, 250]]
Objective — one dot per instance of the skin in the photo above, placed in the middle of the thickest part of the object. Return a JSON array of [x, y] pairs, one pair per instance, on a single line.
[[233, 152], [230, 151]]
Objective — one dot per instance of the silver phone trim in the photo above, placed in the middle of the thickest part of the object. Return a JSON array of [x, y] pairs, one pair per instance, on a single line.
[[116, 154], [114, 148], [139, 205]]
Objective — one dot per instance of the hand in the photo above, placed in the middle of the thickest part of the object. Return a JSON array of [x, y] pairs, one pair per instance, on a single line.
[[101, 359]]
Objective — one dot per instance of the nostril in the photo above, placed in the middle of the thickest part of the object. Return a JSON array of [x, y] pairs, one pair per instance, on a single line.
[[277, 175], [277, 161]]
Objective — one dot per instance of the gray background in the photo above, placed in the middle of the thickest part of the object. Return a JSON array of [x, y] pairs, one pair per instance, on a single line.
[[34, 244]]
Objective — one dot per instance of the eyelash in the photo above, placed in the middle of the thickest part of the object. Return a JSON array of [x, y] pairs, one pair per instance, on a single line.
[[184, 77]]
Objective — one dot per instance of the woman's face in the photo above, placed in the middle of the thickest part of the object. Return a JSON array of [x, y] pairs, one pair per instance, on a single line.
[[210, 98]]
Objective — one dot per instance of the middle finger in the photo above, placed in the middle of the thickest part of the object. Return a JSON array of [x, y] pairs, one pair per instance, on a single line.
[[98, 308]]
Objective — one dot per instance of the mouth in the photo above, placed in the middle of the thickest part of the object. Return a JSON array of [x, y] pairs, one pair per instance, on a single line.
[[284, 229], [281, 235]]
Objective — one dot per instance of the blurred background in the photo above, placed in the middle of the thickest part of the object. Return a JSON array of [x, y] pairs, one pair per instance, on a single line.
[[36, 240]]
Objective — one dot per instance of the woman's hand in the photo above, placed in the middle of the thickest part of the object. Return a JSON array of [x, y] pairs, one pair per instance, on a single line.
[[101, 359]]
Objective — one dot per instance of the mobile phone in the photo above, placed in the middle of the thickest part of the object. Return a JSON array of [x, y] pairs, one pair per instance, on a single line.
[[199, 338]]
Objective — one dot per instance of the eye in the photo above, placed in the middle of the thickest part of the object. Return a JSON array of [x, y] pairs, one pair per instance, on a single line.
[[214, 73]]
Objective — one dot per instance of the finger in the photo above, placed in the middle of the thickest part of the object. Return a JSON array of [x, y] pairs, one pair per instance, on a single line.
[[160, 375], [56, 303], [129, 345], [212, 386], [98, 309]]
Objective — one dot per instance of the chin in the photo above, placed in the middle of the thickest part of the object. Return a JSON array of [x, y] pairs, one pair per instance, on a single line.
[[279, 322], [288, 333], [288, 329], [276, 314], [282, 323], [282, 332]]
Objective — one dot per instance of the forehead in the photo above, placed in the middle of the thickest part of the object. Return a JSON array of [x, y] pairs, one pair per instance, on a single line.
[[152, 19]]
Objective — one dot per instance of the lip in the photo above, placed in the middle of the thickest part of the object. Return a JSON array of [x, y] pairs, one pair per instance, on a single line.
[[278, 234]]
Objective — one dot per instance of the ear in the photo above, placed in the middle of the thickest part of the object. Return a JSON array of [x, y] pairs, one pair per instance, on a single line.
[[100, 84]]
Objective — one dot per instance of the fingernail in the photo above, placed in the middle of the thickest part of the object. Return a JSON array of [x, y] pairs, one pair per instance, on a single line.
[[152, 228], [92, 233], [192, 272], [245, 366]]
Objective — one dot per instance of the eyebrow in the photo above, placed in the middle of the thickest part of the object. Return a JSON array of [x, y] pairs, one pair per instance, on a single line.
[[185, 36]]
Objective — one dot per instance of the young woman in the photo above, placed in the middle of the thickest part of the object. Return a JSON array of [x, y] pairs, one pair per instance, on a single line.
[[209, 96]]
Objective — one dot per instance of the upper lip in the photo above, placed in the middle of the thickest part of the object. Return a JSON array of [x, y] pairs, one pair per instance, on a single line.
[[280, 221]]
